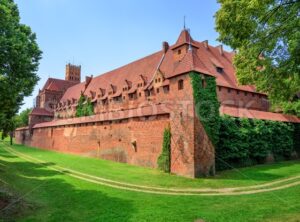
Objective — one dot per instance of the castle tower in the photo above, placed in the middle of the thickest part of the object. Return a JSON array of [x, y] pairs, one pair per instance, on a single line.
[[73, 73]]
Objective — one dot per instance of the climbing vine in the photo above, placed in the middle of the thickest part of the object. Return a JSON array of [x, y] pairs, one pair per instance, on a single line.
[[164, 160], [207, 104], [84, 107]]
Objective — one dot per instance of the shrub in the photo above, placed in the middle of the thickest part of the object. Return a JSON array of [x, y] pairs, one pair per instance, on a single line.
[[164, 160], [245, 142]]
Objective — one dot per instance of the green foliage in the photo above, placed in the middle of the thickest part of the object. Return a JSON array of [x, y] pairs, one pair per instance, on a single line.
[[297, 138], [207, 104], [265, 34], [84, 107], [164, 160], [22, 119], [246, 142], [19, 60]]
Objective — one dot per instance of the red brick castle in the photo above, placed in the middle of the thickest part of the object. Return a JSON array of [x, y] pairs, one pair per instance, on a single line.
[[133, 105]]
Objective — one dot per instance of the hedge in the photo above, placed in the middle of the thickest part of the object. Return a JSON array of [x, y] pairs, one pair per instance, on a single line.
[[245, 142]]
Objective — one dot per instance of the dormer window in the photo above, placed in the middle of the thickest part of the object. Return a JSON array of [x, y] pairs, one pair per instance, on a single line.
[[219, 69], [179, 51]]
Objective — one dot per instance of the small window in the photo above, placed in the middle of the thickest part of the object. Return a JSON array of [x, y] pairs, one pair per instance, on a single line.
[[228, 90], [203, 83], [220, 88], [179, 51], [253, 94], [180, 84], [219, 70], [166, 89], [157, 90], [245, 93], [140, 94], [147, 93], [237, 92]]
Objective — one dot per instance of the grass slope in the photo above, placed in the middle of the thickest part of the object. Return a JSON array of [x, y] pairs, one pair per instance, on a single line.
[[62, 198]]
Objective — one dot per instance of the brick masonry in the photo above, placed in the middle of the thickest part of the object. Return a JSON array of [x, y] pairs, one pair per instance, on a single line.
[[136, 140]]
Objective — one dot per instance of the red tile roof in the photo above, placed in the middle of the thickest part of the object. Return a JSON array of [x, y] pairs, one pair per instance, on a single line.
[[41, 112], [255, 114], [202, 59], [58, 84]]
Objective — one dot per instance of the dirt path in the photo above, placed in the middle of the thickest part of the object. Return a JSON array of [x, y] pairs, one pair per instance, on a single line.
[[266, 187]]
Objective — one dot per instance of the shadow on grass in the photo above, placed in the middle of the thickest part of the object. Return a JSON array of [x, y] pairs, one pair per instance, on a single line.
[[259, 172], [53, 198]]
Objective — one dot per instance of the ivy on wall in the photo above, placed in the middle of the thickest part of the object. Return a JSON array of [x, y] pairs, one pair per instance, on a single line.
[[84, 107], [164, 160], [207, 104], [245, 142]]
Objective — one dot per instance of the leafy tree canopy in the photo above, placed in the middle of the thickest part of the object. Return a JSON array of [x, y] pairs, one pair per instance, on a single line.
[[22, 119], [19, 60], [266, 35]]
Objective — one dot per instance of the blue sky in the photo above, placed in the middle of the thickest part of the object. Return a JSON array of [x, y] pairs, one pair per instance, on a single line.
[[102, 35]]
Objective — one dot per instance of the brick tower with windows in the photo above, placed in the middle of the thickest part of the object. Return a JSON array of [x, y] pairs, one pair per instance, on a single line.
[[73, 73]]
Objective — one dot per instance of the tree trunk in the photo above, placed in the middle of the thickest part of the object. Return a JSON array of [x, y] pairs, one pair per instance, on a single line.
[[11, 138]]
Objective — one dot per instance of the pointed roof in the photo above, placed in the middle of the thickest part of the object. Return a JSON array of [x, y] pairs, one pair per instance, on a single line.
[[184, 38], [199, 58], [57, 84]]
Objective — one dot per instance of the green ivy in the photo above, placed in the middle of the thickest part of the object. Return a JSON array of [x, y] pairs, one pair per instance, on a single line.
[[84, 107], [206, 104], [164, 160], [245, 142]]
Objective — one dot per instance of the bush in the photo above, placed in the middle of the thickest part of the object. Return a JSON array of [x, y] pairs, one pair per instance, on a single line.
[[245, 142], [164, 160]]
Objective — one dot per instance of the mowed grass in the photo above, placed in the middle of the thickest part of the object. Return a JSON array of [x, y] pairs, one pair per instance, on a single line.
[[59, 197], [152, 177]]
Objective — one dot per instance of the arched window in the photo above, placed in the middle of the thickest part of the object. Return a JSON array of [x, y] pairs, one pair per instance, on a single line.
[[180, 84]]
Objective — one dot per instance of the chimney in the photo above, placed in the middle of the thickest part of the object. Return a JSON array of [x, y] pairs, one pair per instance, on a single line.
[[165, 46], [205, 44], [220, 47], [88, 79]]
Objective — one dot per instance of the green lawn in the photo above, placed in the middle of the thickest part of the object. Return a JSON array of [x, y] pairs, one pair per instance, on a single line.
[[58, 197]]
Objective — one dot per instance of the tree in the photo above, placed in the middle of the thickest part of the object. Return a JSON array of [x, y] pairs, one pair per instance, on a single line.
[[266, 36], [22, 119], [19, 60]]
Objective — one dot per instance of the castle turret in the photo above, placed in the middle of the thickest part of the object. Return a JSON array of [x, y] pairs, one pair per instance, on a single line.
[[73, 73]]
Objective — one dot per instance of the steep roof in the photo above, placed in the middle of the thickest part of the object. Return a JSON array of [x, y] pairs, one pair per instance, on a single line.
[[57, 84], [202, 58]]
